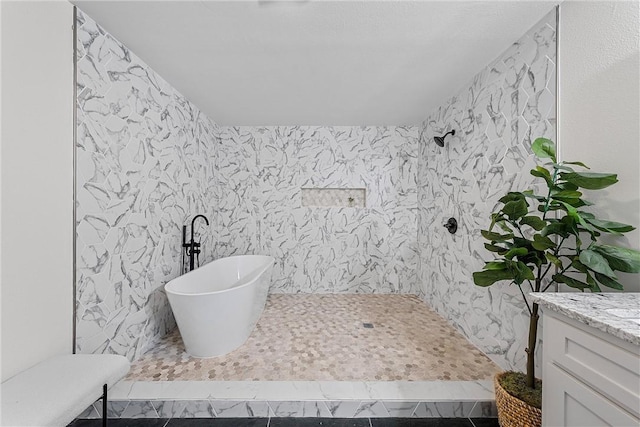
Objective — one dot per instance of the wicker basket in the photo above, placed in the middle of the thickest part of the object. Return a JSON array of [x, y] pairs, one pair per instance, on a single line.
[[513, 412]]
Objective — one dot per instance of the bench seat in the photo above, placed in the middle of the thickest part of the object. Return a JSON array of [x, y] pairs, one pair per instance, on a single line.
[[55, 391]]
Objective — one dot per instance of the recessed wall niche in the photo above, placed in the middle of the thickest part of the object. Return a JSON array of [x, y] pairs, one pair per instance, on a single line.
[[334, 197]]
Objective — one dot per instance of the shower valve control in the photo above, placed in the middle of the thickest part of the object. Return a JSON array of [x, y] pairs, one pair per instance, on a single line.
[[451, 225]]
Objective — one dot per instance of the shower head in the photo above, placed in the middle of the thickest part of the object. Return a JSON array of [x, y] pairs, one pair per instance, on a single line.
[[440, 139]]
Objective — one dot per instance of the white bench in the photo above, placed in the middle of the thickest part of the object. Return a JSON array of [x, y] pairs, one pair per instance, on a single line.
[[56, 391]]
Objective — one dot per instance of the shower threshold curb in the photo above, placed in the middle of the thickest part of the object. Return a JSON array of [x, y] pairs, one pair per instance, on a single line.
[[326, 399]]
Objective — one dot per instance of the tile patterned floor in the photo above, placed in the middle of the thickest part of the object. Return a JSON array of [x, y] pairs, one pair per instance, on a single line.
[[305, 337]]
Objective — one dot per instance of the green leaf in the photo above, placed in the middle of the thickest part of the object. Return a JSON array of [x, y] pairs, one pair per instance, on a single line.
[[495, 217], [495, 265], [567, 186], [536, 258], [559, 228], [576, 203], [493, 248], [566, 194], [596, 262], [530, 194], [610, 226], [562, 167], [515, 209], [504, 226], [515, 252], [577, 163], [534, 222], [489, 277], [593, 286], [542, 243], [569, 281], [575, 263], [544, 148], [522, 272], [620, 259], [541, 172], [553, 259], [511, 196], [521, 242], [573, 213], [590, 180], [609, 282], [496, 237]]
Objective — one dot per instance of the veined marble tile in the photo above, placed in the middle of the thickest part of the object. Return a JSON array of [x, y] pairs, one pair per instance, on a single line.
[[375, 409], [343, 408], [440, 410], [145, 159], [299, 409], [401, 409], [262, 171], [198, 409], [496, 117], [240, 409], [483, 409], [169, 408], [139, 409], [89, 413]]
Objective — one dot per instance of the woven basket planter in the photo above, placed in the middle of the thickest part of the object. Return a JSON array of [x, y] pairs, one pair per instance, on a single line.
[[513, 412]]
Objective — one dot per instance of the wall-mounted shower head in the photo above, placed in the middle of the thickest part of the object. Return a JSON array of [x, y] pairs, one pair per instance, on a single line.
[[440, 139]]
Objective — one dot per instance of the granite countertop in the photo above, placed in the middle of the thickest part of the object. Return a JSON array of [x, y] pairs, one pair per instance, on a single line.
[[617, 314]]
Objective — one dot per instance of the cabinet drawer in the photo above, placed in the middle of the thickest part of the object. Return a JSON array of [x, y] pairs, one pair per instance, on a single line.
[[610, 369], [570, 403]]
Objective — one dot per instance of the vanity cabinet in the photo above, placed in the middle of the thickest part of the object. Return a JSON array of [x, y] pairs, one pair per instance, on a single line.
[[590, 377]]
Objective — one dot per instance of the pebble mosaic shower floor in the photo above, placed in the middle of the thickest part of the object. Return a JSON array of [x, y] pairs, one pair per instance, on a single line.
[[324, 338]]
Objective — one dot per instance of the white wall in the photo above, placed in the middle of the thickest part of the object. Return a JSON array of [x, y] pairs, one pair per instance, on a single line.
[[599, 104], [37, 182]]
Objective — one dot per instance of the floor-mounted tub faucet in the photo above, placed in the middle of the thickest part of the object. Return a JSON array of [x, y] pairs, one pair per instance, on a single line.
[[192, 248]]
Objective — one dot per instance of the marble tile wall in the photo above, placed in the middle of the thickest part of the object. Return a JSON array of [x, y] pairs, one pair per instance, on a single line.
[[143, 170], [262, 171], [496, 117]]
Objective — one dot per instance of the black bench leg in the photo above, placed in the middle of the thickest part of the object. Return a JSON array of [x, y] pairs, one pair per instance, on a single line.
[[104, 405]]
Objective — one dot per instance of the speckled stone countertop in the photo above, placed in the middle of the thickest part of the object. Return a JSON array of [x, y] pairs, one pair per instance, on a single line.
[[617, 314]]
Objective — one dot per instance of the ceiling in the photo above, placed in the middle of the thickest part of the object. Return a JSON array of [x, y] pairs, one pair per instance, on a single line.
[[317, 62]]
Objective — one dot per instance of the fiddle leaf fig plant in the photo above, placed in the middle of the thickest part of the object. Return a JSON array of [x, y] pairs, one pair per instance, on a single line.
[[544, 239]]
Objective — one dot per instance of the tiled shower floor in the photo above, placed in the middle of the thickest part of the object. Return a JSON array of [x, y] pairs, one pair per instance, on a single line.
[[322, 338]]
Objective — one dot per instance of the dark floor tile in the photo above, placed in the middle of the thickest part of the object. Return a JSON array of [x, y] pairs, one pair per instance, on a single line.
[[319, 422], [218, 422], [192, 422], [84, 423], [121, 422], [237, 422], [421, 422], [485, 422]]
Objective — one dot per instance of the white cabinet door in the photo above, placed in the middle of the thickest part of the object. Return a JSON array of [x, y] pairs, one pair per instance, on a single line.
[[568, 402]]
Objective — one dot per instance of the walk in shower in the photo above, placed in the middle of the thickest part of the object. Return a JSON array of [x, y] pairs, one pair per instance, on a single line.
[[372, 310]]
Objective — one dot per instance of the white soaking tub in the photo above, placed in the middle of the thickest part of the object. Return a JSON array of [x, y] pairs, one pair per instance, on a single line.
[[217, 305]]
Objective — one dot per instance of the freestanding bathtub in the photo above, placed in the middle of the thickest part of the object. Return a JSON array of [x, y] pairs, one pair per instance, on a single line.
[[217, 305]]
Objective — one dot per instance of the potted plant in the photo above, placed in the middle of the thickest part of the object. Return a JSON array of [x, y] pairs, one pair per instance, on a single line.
[[542, 240]]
